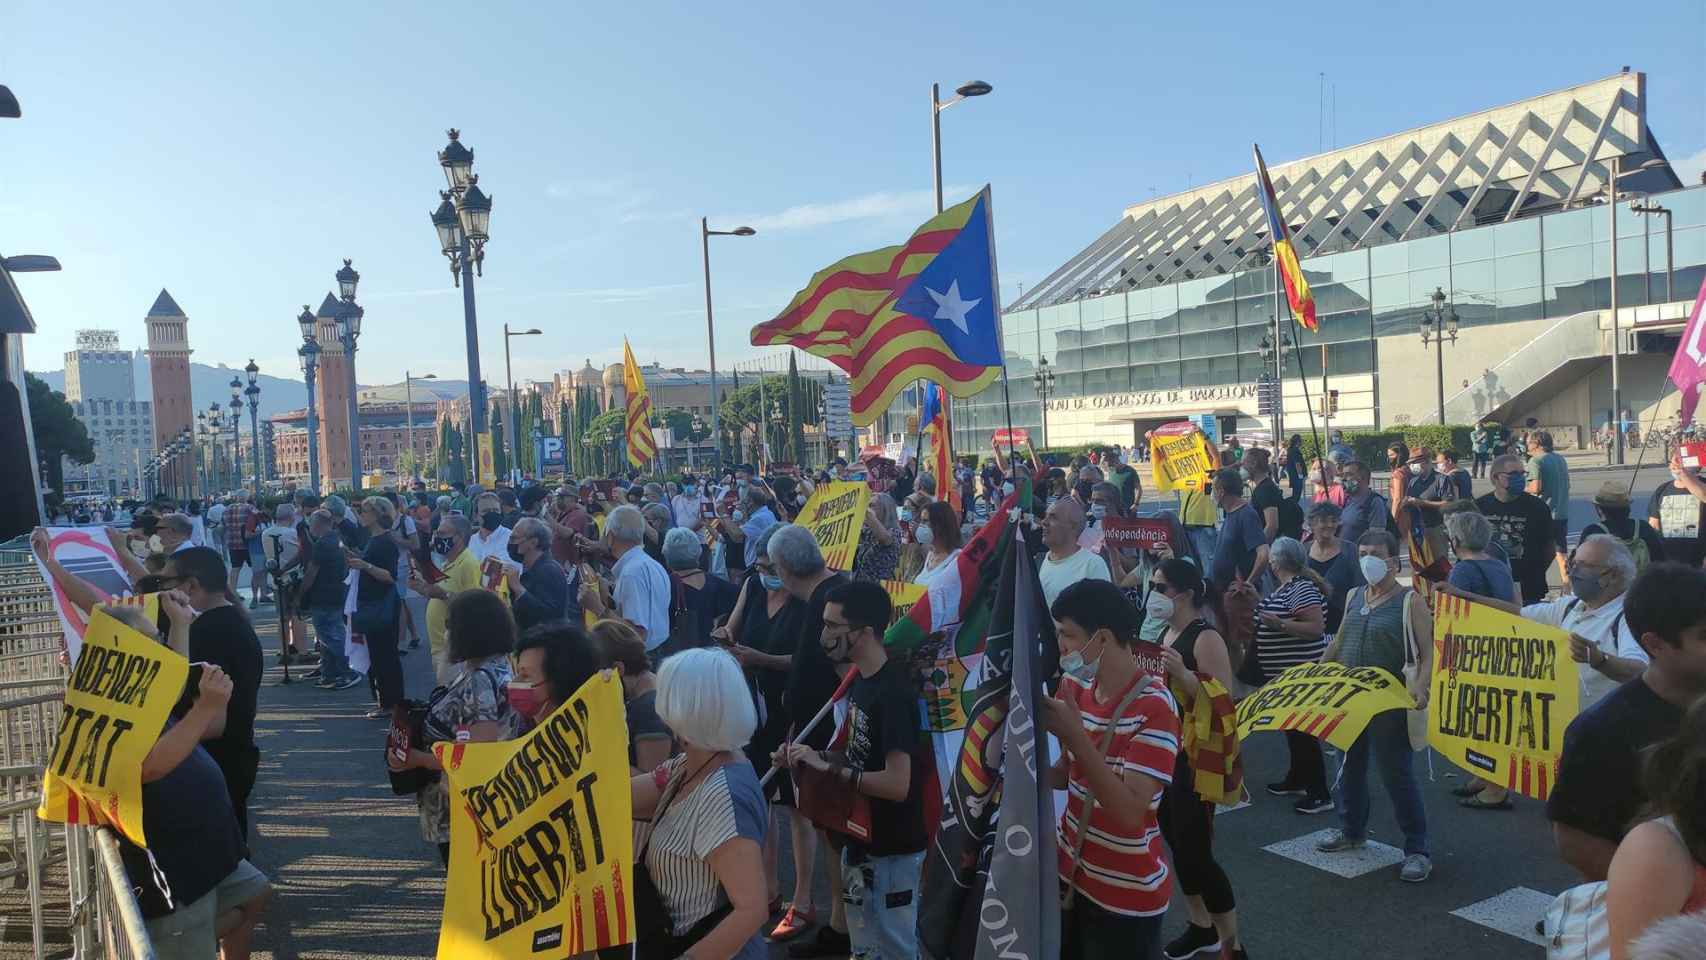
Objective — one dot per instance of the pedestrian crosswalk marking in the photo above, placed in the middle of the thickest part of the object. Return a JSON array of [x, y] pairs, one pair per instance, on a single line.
[[1512, 912], [1349, 864]]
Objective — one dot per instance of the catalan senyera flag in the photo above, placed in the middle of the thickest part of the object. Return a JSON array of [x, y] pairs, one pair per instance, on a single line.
[[939, 461], [641, 446], [1285, 255], [926, 309]]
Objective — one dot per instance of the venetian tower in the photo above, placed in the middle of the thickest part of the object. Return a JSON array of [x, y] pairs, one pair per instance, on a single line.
[[169, 367], [332, 394]]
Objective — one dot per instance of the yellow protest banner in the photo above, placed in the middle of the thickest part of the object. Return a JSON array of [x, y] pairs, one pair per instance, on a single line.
[[1504, 689], [1328, 701], [1181, 457], [835, 515], [541, 835], [902, 595], [116, 704]]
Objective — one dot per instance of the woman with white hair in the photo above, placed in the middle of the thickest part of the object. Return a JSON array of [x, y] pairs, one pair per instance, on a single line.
[[698, 601], [1290, 629], [705, 818]]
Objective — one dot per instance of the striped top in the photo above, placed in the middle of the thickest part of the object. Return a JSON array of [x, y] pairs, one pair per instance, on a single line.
[[725, 805], [1121, 871], [1277, 650]]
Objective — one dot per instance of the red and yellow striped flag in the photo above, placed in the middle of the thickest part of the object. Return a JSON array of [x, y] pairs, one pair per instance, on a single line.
[[926, 309], [641, 446]]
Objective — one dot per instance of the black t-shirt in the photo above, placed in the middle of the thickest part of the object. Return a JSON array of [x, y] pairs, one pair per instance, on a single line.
[[225, 637], [192, 835], [1523, 527], [1599, 778], [812, 678], [382, 552], [1343, 575], [644, 722], [327, 592], [882, 717], [1682, 523], [353, 533], [1267, 494]]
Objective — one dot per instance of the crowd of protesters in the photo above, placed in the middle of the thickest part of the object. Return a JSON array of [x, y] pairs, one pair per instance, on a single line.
[[729, 634]]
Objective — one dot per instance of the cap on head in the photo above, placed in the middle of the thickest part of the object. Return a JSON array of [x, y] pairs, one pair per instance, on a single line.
[[1612, 494]]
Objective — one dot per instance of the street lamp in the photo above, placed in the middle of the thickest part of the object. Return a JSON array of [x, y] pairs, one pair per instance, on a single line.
[[201, 448], [1043, 380], [309, 355], [705, 235], [215, 434], [253, 392], [1439, 327], [236, 427], [463, 222], [1616, 173], [509, 384], [1649, 210], [965, 91], [409, 416], [349, 331], [1273, 371]]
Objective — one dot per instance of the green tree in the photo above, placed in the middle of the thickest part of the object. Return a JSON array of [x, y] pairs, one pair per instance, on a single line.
[[57, 430], [796, 416], [608, 432]]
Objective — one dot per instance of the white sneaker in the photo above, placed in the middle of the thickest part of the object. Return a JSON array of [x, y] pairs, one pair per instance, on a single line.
[[1416, 868], [1336, 842]]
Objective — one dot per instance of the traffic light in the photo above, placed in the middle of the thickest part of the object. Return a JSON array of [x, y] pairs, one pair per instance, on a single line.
[[1332, 402]]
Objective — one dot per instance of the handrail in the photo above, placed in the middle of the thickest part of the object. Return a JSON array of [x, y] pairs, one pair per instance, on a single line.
[[129, 919]]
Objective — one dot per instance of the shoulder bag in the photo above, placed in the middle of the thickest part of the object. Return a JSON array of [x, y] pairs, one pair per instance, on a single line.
[[657, 939], [1417, 720], [1069, 891]]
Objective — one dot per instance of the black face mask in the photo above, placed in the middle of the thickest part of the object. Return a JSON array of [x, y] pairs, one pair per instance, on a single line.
[[442, 545], [491, 520], [514, 554], [1083, 488]]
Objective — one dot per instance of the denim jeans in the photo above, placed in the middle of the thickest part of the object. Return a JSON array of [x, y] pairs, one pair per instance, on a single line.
[[881, 895], [334, 639], [1388, 737]]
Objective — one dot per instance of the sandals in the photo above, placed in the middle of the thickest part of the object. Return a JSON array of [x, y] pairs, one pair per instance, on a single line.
[[794, 922], [1476, 803]]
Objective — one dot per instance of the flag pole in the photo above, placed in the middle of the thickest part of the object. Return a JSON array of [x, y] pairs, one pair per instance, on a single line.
[[1308, 404], [1652, 421], [995, 291]]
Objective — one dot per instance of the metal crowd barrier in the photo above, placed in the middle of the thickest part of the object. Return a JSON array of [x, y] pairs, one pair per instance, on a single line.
[[104, 917]]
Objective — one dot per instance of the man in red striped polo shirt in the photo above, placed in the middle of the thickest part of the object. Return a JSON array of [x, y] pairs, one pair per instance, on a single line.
[[1119, 732]]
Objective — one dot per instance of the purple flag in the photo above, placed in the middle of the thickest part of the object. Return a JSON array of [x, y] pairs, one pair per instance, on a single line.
[[1688, 368]]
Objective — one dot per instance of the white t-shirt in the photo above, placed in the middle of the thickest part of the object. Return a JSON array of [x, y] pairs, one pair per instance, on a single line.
[[642, 594], [1594, 626], [1057, 575], [215, 512], [198, 532], [930, 573], [284, 538], [495, 544]]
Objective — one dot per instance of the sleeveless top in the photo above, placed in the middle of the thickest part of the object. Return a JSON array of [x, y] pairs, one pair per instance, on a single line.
[[1697, 893], [1186, 642], [1373, 637]]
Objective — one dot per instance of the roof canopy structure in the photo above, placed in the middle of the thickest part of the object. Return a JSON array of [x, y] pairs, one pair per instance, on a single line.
[[1523, 159]]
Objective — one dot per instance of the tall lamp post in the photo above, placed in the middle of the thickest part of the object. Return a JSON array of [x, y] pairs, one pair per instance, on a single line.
[[253, 392], [705, 235], [309, 355], [1273, 371], [965, 91], [1650, 209], [409, 416], [236, 428], [1439, 327], [509, 385], [200, 447], [349, 331], [1615, 174], [215, 441], [462, 220], [1043, 380]]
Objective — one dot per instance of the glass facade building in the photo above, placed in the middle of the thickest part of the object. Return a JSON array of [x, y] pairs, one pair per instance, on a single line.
[[1206, 332]]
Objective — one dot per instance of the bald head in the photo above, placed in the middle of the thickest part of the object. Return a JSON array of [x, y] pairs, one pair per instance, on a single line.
[[1063, 524]]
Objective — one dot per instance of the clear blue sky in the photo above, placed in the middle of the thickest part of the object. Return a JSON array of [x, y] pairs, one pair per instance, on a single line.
[[234, 153]]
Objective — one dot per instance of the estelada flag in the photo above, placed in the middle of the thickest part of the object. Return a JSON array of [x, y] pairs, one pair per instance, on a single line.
[[641, 446], [1285, 255], [924, 310], [940, 461]]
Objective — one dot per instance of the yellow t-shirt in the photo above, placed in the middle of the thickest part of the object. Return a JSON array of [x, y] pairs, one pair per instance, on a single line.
[[1197, 509], [460, 574]]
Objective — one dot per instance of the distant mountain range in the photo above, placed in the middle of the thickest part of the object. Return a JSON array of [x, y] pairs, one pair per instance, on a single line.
[[210, 384]]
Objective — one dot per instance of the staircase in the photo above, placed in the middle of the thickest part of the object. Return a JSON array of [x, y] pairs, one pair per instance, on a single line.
[[1558, 355]]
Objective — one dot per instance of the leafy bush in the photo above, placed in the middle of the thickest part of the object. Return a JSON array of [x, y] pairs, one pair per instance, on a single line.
[[1370, 445]]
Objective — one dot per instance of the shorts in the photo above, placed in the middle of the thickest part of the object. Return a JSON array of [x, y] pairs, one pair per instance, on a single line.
[[189, 933], [1561, 537], [240, 558]]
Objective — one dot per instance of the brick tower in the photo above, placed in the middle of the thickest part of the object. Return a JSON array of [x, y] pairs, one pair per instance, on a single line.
[[332, 389], [169, 367]]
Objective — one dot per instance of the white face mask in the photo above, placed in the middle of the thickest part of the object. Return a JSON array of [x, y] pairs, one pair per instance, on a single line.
[[736, 515], [801, 499], [1006, 490], [1158, 606], [154, 544], [1374, 569], [1098, 510], [924, 535]]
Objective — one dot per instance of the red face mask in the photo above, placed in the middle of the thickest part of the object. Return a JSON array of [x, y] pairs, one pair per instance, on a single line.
[[527, 701]]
